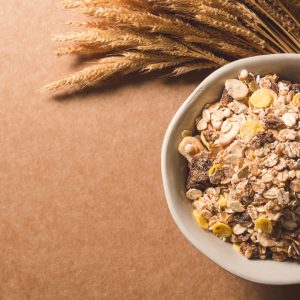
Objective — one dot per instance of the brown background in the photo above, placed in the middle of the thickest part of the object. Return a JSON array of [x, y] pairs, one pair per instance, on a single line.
[[82, 210]]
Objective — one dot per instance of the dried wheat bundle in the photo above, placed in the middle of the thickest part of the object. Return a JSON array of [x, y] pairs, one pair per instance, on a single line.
[[179, 36]]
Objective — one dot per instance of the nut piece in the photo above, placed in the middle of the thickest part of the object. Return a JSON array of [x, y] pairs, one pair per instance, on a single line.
[[190, 146], [264, 224], [226, 126], [201, 125], [222, 230], [200, 219], [249, 129], [217, 119], [206, 115], [262, 98], [244, 74], [236, 89], [289, 119], [228, 137], [194, 194]]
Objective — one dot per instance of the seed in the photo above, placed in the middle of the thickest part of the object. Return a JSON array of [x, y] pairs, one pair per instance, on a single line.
[[206, 115], [227, 113], [201, 125], [226, 126], [244, 74], [229, 136]]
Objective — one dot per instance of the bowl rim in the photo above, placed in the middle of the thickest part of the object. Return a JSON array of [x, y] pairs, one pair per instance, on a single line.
[[167, 190]]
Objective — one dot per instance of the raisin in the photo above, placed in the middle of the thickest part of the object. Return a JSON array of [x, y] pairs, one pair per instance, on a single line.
[[261, 138], [273, 122]]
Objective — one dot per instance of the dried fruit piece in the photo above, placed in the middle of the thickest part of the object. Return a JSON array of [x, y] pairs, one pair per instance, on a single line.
[[237, 89], [249, 129], [261, 138], [221, 230], [262, 98], [272, 122], [264, 224], [202, 222], [213, 168]]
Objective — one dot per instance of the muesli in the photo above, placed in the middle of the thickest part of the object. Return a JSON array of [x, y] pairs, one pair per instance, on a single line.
[[244, 166]]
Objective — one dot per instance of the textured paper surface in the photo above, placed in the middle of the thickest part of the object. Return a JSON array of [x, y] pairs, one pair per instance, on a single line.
[[82, 210]]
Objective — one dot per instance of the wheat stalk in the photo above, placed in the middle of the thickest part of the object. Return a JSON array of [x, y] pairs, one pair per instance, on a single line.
[[125, 36]]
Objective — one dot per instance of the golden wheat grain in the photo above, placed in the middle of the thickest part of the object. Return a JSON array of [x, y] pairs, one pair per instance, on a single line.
[[181, 35], [190, 67]]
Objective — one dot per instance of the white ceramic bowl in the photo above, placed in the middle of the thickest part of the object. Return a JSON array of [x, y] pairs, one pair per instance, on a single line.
[[287, 66]]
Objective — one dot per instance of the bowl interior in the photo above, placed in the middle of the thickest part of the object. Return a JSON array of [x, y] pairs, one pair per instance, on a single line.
[[287, 66]]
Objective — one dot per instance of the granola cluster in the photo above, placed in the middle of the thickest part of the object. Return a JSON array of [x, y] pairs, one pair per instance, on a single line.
[[244, 166]]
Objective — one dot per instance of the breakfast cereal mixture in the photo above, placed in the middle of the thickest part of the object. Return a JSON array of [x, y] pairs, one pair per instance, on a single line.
[[244, 166]]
